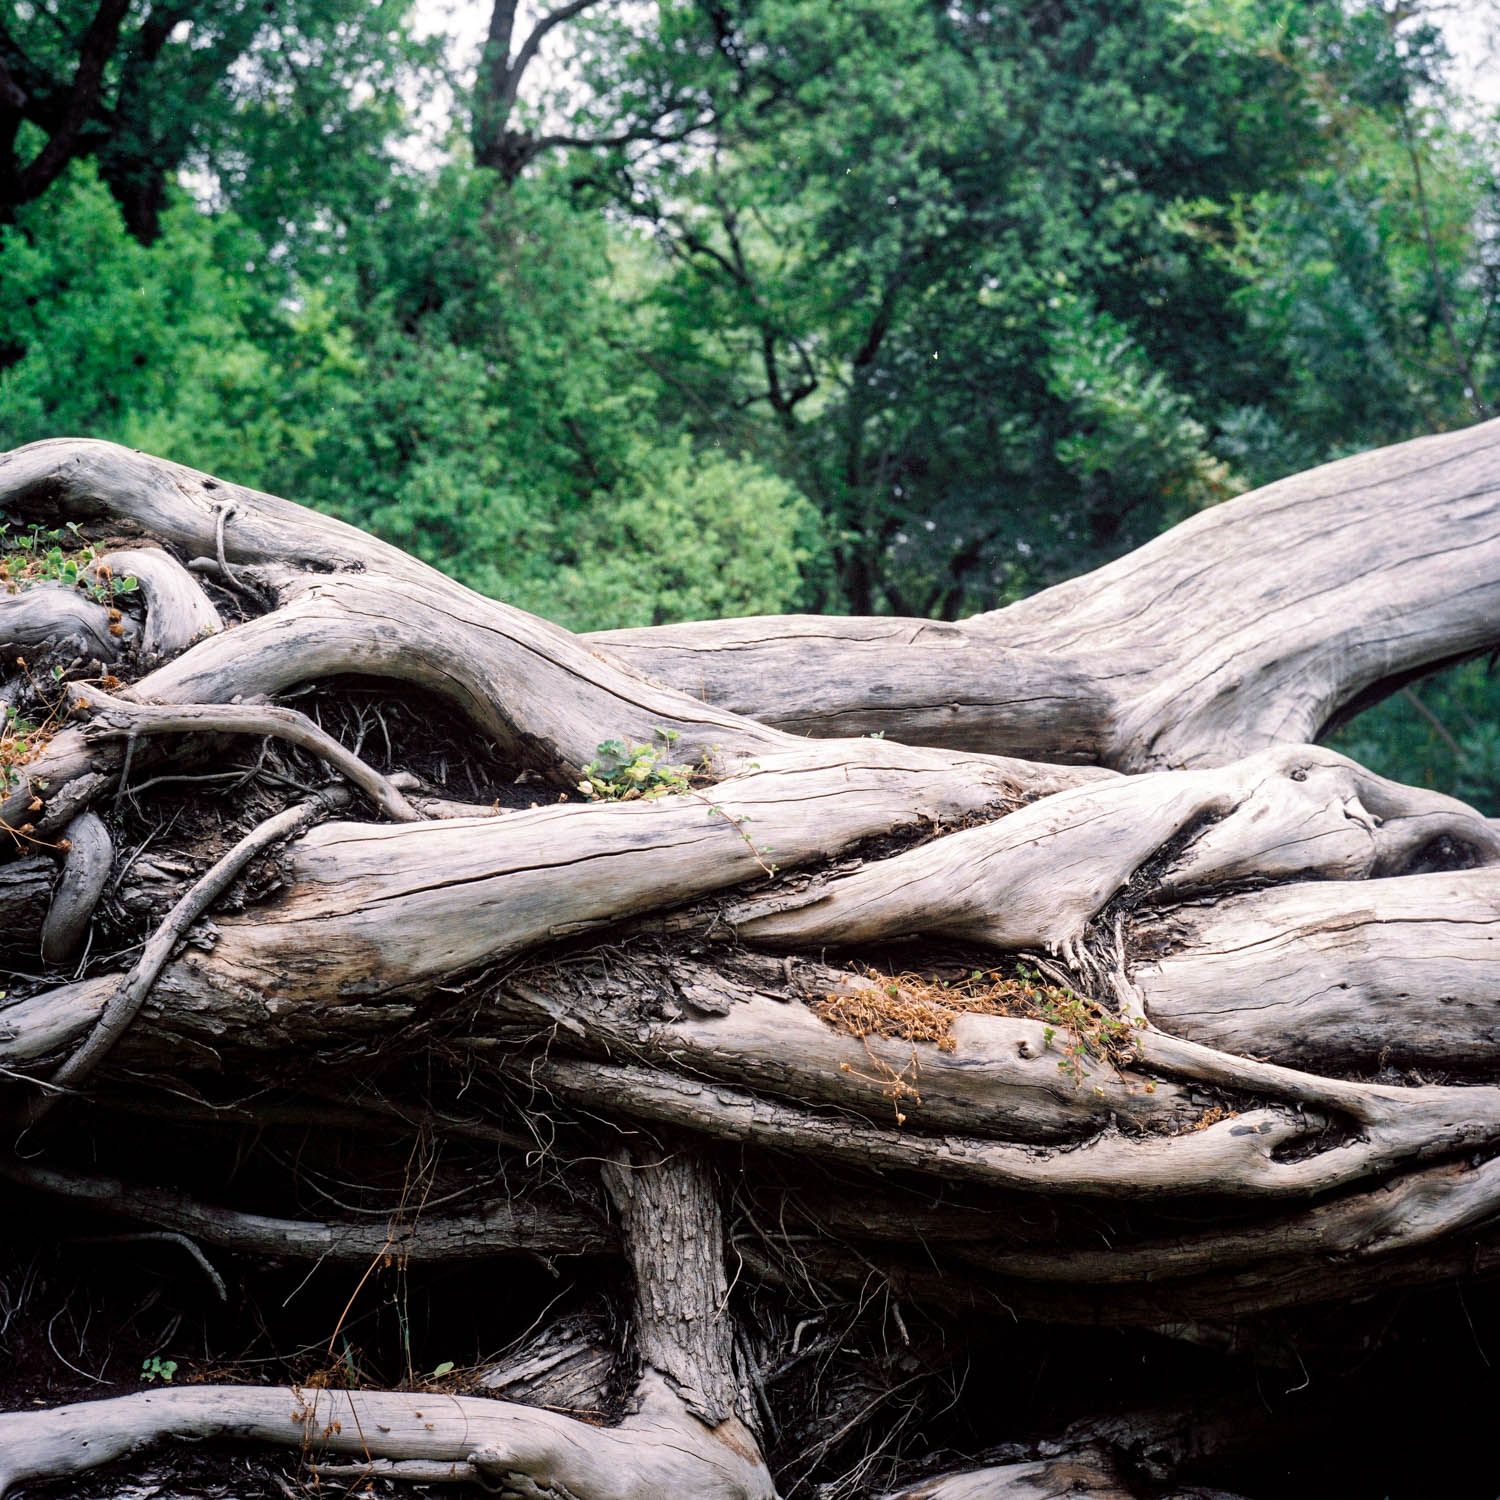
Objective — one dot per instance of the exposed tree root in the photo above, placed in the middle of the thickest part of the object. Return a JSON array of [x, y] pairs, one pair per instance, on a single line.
[[25, 898], [1242, 627], [683, 1435], [976, 1033], [112, 718], [86, 870], [1037, 878], [177, 611], [515, 1226], [58, 621], [123, 1005], [658, 1452]]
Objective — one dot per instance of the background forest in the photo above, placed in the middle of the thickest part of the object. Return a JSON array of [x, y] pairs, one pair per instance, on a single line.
[[705, 307]]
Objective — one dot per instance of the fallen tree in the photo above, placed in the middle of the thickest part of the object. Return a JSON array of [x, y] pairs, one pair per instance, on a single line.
[[1062, 976]]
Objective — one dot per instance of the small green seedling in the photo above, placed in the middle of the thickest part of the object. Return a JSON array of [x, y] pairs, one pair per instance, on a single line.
[[622, 772], [158, 1369], [34, 555], [18, 742]]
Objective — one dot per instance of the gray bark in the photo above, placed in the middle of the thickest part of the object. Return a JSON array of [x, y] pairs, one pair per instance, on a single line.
[[1248, 625], [1091, 935]]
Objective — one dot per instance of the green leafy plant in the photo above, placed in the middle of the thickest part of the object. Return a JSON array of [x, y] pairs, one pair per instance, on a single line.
[[1091, 1031], [18, 743], [621, 772], [36, 555], [737, 822], [156, 1368]]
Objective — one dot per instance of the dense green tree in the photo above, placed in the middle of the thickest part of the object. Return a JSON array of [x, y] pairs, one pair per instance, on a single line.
[[637, 106], [459, 377], [927, 248], [158, 347], [500, 420], [1008, 289], [149, 87]]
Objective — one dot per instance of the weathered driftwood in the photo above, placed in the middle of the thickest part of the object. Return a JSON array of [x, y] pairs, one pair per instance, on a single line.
[[57, 620], [514, 1226], [949, 996], [1251, 624], [655, 1453], [177, 611], [86, 869]]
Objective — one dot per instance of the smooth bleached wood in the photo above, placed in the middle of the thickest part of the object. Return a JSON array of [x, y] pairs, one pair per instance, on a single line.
[[1254, 623]]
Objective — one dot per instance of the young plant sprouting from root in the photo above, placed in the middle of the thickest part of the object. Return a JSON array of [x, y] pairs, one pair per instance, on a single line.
[[622, 772], [18, 742], [34, 555]]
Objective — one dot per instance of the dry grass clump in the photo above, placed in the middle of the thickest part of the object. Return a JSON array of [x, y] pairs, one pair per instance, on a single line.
[[917, 1008]]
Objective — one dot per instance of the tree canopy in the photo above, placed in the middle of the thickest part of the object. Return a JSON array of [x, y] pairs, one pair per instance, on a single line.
[[727, 306]]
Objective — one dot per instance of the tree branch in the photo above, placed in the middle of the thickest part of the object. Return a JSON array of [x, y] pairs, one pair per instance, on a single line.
[[98, 44], [539, 33]]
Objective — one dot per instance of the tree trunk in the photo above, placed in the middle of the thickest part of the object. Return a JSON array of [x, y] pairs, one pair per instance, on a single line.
[[1060, 979]]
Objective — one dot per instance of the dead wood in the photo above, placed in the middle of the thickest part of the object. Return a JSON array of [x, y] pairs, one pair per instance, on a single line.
[[1090, 993]]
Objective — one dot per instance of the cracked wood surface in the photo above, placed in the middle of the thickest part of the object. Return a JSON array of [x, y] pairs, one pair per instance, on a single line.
[[657, 1452], [1108, 668], [1287, 939], [1253, 623]]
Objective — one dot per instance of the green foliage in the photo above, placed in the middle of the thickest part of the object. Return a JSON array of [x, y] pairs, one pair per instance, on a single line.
[[1004, 290], [153, 347], [921, 222], [479, 405], [1443, 733], [1090, 1033], [280, 104], [155, 1368], [690, 538], [490, 421], [18, 743], [431, 389], [1128, 431], [622, 772], [36, 555], [878, 306]]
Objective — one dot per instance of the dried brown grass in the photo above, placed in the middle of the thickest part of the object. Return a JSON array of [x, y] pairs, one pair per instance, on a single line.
[[917, 1008]]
